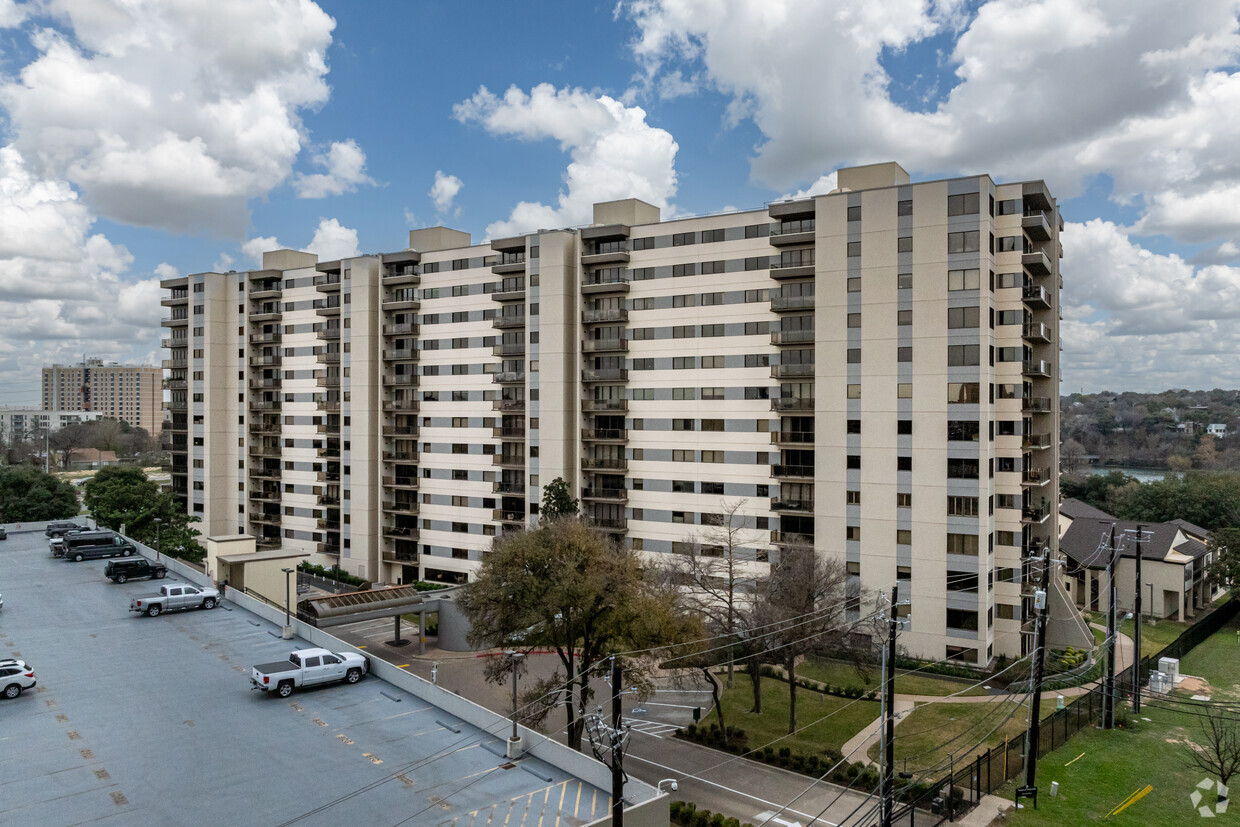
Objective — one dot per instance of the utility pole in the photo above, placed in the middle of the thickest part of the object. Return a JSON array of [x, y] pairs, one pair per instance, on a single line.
[[617, 771], [1041, 604], [1136, 638], [889, 701], [1108, 699]]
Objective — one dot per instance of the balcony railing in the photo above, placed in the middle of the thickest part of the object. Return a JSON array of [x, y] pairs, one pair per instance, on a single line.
[[800, 471], [605, 345], [605, 434], [605, 405], [1037, 404], [509, 405], [508, 433], [781, 303], [1036, 332], [403, 329], [508, 487], [1036, 441], [1037, 295], [508, 321], [264, 338], [1035, 476], [604, 375], [509, 349], [611, 314], [618, 495], [792, 437], [400, 482], [400, 379], [1037, 367], [329, 333], [1034, 514], [400, 404], [791, 337], [791, 371], [801, 505], [793, 403], [605, 463], [264, 361], [329, 357], [509, 377]]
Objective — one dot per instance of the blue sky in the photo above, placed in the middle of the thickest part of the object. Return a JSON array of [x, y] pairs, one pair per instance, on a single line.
[[145, 139]]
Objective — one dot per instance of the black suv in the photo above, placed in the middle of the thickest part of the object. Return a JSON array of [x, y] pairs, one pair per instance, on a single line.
[[60, 529], [122, 570]]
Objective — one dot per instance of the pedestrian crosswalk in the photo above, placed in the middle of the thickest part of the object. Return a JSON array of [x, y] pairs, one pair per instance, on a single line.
[[656, 728]]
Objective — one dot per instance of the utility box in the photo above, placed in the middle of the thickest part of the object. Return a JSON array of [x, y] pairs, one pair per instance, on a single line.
[[1171, 668], [1159, 683]]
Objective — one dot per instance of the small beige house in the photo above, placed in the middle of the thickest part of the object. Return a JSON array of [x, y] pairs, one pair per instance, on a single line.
[[1175, 563]]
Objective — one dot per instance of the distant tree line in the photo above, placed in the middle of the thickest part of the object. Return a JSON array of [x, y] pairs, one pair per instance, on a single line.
[[128, 442]]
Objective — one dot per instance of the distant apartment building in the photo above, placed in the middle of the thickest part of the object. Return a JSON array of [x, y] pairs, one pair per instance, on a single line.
[[130, 393], [873, 371], [17, 423]]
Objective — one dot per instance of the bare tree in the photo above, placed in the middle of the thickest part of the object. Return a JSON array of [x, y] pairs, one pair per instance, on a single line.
[[805, 611], [1218, 752]]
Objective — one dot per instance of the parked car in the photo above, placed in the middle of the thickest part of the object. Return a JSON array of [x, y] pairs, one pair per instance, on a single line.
[[174, 598], [121, 570], [92, 545], [60, 528], [308, 667], [4, 534], [15, 678]]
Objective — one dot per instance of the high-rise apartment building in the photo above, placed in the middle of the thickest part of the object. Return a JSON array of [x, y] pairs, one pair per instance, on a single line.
[[130, 393], [20, 423], [873, 371]]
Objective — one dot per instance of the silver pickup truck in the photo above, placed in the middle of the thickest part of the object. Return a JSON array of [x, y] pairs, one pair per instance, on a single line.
[[308, 667], [173, 598]]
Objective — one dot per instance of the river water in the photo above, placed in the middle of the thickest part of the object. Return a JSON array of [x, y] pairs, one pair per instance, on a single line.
[[1141, 474]]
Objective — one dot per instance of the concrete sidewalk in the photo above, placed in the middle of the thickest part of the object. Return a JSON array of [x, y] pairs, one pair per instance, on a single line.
[[857, 748]]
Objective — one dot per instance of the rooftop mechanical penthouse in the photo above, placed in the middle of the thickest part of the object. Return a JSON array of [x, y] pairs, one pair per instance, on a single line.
[[874, 371]]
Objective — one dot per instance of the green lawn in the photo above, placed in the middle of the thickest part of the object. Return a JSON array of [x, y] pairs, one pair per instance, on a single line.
[[1115, 764], [933, 733], [1153, 638], [1217, 659], [843, 674], [773, 722]]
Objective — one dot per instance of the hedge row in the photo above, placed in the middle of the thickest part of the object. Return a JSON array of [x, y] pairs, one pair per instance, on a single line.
[[818, 686], [686, 814]]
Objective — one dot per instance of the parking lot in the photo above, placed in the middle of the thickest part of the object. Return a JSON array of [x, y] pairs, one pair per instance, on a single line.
[[152, 720]]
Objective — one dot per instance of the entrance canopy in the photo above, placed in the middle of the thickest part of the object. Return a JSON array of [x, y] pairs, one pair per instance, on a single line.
[[352, 607]]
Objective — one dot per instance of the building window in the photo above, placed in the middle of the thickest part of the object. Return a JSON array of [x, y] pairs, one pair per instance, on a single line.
[[904, 463], [904, 500], [904, 244], [904, 208], [904, 537], [904, 354], [904, 426], [904, 390], [962, 506], [853, 461], [965, 544], [854, 213], [854, 320], [964, 279], [966, 242], [854, 391], [963, 317], [962, 619], [854, 248], [854, 426], [852, 532], [962, 355], [961, 469], [963, 393], [853, 497], [967, 204]]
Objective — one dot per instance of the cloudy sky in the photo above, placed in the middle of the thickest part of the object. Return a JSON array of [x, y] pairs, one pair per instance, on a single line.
[[141, 139]]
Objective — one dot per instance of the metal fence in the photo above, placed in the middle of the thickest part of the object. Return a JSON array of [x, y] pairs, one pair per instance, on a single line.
[[963, 786]]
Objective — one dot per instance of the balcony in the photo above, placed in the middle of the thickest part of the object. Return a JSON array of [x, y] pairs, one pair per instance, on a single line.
[[394, 405], [180, 341], [175, 384], [607, 252], [400, 354], [400, 532], [271, 495], [516, 294], [605, 463], [175, 321], [509, 349], [409, 483], [802, 506], [786, 538], [328, 476], [499, 515], [403, 329], [400, 430], [261, 473], [791, 337], [265, 448], [329, 548], [265, 428], [508, 460], [605, 434], [1036, 225], [779, 270], [611, 495], [266, 291], [327, 283], [792, 438], [515, 434], [509, 263], [328, 404], [780, 304], [176, 404], [509, 377], [605, 283], [400, 506], [1035, 477], [1037, 367], [404, 557], [605, 405], [792, 232], [508, 487], [1033, 515], [400, 455], [509, 405], [506, 322], [1036, 404], [328, 357], [264, 313], [605, 345], [793, 471], [791, 371], [265, 518], [609, 315], [178, 297], [1036, 296], [612, 523], [1037, 442], [604, 375], [327, 307], [1036, 332], [1037, 263], [329, 334], [264, 404], [407, 276], [264, 361], [401, 304], [398, 380], [258, 383], [793, 403]]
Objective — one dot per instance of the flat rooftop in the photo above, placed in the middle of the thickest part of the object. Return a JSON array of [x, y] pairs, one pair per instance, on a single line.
[[152, 720]]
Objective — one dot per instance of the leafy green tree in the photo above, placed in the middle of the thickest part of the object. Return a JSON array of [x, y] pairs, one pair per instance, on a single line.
[[557, 502], [1224, 545], [123, 496], [29, 495], [564, 586], [1094, 489], [1210, 499]]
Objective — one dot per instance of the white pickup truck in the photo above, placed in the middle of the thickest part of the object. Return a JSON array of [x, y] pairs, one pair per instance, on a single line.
[[308, 667], [173, 598]]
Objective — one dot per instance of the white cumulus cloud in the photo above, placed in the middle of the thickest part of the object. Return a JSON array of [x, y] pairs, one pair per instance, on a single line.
[[331, 241], [443, 191], [345, 163], [615, 153]]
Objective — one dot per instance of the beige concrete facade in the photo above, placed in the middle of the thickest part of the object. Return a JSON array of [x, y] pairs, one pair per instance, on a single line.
[[129, 393], [872, 371]]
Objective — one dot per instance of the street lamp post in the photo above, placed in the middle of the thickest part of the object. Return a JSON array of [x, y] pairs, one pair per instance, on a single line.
[[1151, 586], [514, 741], [288, 591], [157, 547]]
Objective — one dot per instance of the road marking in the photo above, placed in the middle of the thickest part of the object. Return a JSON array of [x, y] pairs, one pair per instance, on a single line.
[[577, 803], [812, 819], [403, 666]]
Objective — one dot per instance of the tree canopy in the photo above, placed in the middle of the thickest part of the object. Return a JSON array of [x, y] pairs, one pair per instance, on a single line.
[[29, 495], [557, 501], [565, 586], [123, 496], [1210, 499]]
